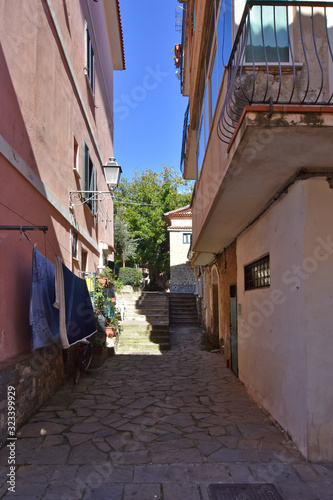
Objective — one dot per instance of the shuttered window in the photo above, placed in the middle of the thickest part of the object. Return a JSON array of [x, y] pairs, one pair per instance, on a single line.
[[89, 180], [90, 62]]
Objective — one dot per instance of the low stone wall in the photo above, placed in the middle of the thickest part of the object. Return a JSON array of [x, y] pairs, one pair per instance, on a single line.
[[182, 279], [34, 378]]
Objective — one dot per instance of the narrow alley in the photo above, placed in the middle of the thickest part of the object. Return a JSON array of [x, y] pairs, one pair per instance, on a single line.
[[158, 427]]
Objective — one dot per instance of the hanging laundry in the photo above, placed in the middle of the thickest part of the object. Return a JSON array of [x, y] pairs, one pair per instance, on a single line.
[[90, 284], [76, 313], [44, 318]]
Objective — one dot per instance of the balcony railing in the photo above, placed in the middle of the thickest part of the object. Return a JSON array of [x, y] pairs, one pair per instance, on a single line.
[[180, 71], [282, 54]]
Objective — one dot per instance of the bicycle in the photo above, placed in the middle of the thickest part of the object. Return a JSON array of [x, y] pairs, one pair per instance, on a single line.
[[83, 357]]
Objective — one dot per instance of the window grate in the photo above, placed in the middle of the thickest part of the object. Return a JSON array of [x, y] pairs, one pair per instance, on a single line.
[[258, 274]]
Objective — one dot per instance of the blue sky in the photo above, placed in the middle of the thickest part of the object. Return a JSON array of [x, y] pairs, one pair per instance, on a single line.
[[148, 106]]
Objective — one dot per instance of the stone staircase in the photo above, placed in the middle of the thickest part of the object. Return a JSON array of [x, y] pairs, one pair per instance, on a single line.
[[183, 309], [145, 329]]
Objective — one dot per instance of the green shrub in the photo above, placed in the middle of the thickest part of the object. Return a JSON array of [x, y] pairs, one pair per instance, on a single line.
[[130, 276]]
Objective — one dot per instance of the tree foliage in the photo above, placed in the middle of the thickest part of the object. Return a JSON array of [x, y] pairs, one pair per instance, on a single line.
[[142, 203], [125, 244]]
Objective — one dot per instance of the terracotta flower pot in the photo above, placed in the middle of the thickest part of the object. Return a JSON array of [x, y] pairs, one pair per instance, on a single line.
[[109, 330]]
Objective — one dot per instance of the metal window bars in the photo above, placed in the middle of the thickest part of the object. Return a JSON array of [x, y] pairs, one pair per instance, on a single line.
[[282, 54]]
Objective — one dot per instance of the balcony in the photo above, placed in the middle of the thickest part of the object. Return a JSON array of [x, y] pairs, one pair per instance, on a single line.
[[282, 55], [274, 119]]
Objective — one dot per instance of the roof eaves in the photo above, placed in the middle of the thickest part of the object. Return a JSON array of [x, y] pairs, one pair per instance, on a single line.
[[121, 35]]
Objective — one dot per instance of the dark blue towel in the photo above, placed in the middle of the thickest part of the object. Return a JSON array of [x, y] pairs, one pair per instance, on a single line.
[[44, 318], [80, 317]]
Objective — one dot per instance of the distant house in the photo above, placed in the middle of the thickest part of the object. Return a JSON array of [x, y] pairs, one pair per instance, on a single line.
[[57, 60], [182, 279], [257, 139]]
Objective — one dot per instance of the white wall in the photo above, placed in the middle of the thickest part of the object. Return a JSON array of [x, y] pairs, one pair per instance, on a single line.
[[178, 249], [285, 331], [318, 269]]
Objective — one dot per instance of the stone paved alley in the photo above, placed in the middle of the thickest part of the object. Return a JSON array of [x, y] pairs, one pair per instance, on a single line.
[[157, 428]]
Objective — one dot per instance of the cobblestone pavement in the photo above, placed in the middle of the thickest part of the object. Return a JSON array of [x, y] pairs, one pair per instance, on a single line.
[[157, 428]]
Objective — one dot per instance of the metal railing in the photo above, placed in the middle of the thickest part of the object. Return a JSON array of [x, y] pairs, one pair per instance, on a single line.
[[282, 54], [185, 134], [182, 47]]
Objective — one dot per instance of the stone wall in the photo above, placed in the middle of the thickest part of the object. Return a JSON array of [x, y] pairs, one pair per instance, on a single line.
[[35, 377], [182, 279]]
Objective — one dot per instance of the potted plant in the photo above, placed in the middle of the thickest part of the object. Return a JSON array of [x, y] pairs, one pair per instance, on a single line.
[[112, 328], [98, 341], [106, 277], [111, 325]]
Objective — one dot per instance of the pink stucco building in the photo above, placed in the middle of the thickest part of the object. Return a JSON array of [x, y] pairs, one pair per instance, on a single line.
[[258, 136], [56, 131]]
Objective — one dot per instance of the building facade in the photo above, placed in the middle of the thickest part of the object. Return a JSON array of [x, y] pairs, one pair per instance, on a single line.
[[182, 278], [56, 132], [257, 139]]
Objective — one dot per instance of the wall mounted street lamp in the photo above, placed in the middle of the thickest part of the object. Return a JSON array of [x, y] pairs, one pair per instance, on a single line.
[[112, 172]]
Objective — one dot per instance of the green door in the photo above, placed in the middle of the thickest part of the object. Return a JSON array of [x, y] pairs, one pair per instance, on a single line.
[[233, 329]]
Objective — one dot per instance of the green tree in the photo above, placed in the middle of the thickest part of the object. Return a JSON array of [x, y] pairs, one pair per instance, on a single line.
[[142, 203], [125, 244]]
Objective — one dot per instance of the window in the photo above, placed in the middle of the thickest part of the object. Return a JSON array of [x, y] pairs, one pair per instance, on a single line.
[[224, 37], [89, 180], [206, 116], [213, 86], [74, 244], [194, 19], [76, 158], [84, 258], [90, 62], [268, 36], [187, 238], [258, 274], [201, 146]]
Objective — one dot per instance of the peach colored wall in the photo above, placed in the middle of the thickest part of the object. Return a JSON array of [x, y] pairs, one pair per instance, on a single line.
[[285, 331], [226, 264], [46, 102]]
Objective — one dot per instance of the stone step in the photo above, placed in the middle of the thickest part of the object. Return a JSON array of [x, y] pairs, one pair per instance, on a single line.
[[188, 310], [193, 323], [183, 310], [146, 326], [144, 320], [143, 350], [147, 310], [135, 338], [141, 341], [144, 323], [183, 307], [182, 301], [183, 320]]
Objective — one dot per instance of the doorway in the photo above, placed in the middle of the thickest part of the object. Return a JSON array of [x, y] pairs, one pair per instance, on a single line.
[[233, 328], [215, 304]]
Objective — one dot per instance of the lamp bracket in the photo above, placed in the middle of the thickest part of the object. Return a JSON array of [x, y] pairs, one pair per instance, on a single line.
[[78, 198]]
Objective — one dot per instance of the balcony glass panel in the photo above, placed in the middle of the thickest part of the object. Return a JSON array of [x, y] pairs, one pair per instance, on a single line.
[[213, 84], [201, 145], [224, 36]]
